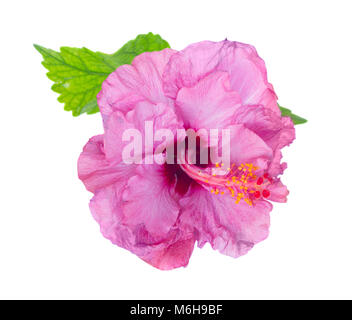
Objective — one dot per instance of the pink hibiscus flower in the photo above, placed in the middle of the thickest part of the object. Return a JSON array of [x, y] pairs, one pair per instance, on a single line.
[[158, 212]]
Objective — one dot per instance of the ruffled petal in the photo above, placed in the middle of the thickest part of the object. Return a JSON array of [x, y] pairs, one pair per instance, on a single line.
[[275, 130], [268, 99], [188, 66], [248, 75], [159, 116], [231, 228], [276, 167], [95, 171], [162, 117], [278, 192], [165, 253], [246, 70], [149, 200], [116, 126], [210, 104], [130, 84], [175, 255], [106, 210], [247, 147]]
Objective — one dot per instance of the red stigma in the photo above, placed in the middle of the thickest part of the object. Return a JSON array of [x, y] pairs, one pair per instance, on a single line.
[[260, 181], [266, 193], [257, 194]]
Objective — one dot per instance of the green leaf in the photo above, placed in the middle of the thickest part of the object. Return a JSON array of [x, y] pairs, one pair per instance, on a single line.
[[79, 72], [288, 113]]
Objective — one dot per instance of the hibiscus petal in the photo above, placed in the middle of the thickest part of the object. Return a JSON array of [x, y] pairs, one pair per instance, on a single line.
[[188, 66], [275, 130], [173, 256], [172, 251], [116, 126], [95, 171], [246, 69], [231, 228], [268, 99], [149, 200], [210, 104], [247, 147], [106, 210], [248, 75], [278, 192], [159, 116], [276, 167], [162, 116], [130, 84]]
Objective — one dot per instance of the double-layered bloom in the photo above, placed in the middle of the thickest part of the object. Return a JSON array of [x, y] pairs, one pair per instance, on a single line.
[[158, 212]]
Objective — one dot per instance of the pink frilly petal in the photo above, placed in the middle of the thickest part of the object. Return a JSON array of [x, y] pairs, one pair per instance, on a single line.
[[278, 192], [95, 171], [231, 228], [159, 116], [130, 84], [209, 104], [149, 200], [275, 130], [248, 147], [246, 70], [172, 250]]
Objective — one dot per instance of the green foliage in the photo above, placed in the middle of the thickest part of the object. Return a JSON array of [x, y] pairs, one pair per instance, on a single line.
[[288, 113], [79, 72]]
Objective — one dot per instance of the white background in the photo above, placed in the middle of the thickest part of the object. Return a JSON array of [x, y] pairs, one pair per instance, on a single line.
[[50, 246]]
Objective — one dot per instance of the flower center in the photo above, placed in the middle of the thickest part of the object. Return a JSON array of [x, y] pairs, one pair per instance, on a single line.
[[240, 181]]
